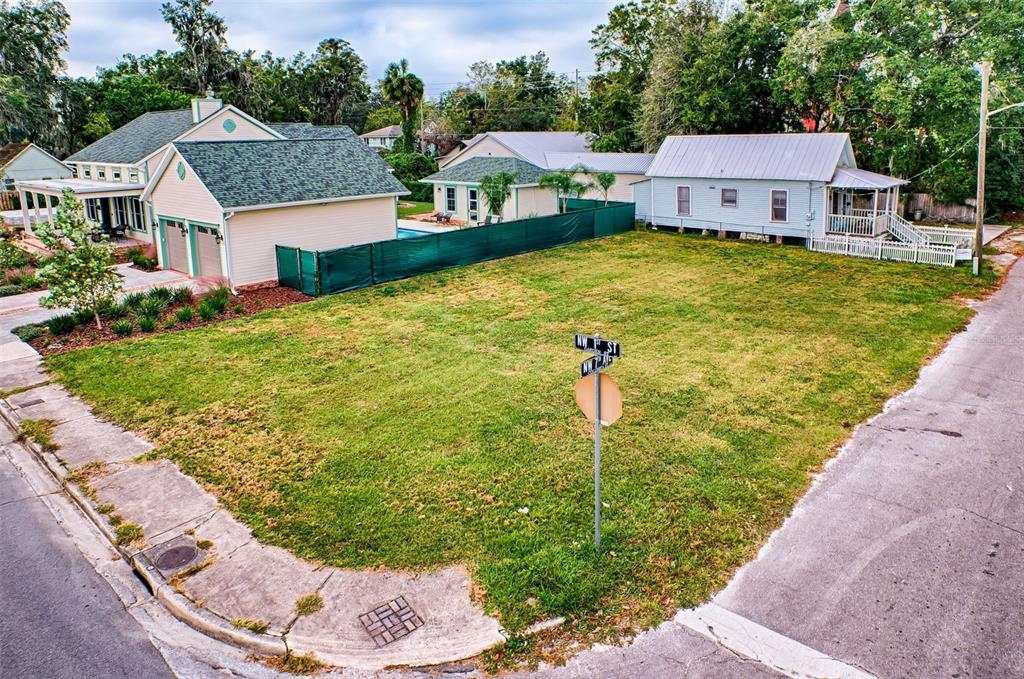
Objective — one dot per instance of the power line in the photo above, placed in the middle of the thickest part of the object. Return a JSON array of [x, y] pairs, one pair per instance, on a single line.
[[947, 158]]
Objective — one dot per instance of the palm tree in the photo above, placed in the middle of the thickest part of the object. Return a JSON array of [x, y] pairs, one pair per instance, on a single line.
[[497, 188], [564, 184], [603, 181], [405, 89]]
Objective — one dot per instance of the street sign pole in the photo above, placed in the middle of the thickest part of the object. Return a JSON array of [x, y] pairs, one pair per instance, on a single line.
[[597, 456]]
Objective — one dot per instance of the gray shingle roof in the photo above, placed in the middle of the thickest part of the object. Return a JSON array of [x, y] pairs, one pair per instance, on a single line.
[[133, 141], [250, 173], [800, 156], [475, 169], [310, 131]]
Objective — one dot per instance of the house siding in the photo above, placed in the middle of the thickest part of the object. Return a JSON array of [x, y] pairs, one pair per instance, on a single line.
[[536, 202], [35, 164], [620, 189], [752, 213], [253, 234], [213, 129], [184, 198], [485, 147], [641, 196]]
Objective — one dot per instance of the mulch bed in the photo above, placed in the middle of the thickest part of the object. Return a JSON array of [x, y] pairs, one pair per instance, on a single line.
[[252, 301]]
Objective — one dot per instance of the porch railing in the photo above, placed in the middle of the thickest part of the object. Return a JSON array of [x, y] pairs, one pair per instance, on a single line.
[[905, 231], [852, 224]]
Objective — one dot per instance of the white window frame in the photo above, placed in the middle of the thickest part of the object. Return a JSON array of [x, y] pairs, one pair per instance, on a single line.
[[689, 200], [771, 206], [736, 202], [101, 172], [86, 172], [115, 174], [454, 199], [133, 176], [472, 213]]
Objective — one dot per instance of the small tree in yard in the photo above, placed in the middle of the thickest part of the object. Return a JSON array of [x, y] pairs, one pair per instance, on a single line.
[[564, 184], [79, 275], [497, 188], [603, 181]]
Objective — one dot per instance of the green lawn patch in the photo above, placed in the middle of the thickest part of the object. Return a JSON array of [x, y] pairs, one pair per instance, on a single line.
[[407, 208], [432, 421]]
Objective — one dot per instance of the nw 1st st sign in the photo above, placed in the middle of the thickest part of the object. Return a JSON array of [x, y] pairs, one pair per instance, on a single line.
[[598, 345]]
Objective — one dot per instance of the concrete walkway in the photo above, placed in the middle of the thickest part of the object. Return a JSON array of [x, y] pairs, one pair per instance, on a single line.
[[231, 576], [906, 559]]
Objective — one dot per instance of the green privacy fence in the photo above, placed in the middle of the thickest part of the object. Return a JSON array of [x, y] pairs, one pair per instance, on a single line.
[[359, 266]]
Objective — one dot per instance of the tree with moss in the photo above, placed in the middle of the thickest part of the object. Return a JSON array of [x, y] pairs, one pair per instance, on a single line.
[[79, 275]]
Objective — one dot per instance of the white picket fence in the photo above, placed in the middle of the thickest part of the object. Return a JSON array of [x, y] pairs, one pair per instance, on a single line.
[[876, 248]]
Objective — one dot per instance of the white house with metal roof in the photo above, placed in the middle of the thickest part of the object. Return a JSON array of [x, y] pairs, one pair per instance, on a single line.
[[798, 185]]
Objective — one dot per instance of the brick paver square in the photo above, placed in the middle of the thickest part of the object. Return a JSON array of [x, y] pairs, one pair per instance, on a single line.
[[390, 621]]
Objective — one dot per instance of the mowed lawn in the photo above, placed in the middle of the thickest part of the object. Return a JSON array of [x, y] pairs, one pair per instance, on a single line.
[[432, 421]]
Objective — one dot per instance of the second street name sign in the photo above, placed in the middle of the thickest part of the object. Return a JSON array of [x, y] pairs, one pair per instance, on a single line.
[[595, 363], [598, 345]]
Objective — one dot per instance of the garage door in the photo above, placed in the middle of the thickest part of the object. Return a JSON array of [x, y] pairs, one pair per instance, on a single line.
[[177, 256], [208, 251]]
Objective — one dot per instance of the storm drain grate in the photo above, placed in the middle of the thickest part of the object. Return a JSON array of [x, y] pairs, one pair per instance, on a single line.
[[33, 402], [390, 622]]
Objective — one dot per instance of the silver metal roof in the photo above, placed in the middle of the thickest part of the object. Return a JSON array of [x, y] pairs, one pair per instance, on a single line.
[[628, 163], [532, 146], [798, 156], [852, 178]]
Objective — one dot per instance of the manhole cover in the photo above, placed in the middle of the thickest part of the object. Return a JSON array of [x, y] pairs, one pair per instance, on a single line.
[[390, 622], [175, 557]]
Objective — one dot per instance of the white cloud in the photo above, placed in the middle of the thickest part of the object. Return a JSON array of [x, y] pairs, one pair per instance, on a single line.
[[440, 39]]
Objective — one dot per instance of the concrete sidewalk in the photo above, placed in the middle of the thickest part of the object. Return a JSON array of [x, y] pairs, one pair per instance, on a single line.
[[906, 558], [209, 570]]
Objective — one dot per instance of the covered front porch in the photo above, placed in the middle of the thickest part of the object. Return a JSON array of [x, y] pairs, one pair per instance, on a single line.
[[114, 209], [862, 203]]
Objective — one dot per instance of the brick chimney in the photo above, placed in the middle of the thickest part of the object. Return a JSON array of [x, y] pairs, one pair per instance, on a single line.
[[205, 107]]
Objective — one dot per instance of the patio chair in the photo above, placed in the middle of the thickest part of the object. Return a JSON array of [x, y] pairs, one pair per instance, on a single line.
[[488, 220]]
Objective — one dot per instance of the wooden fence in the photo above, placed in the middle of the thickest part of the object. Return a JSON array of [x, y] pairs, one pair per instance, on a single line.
[[8, 200], [933, 211]]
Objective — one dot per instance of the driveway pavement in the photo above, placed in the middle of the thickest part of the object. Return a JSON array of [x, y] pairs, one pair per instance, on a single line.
[[906, 559]]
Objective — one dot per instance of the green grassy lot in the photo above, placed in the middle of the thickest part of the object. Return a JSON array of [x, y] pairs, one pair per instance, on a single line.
[[410, 424], [416, 209]]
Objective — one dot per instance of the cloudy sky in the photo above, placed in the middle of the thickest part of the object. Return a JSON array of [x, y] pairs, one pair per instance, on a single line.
[[440, 39]]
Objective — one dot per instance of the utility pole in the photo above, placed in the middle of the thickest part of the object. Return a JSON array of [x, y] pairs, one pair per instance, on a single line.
[[979, 221]]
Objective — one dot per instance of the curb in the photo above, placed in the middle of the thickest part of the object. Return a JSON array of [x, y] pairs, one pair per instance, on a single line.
[[178, 605]]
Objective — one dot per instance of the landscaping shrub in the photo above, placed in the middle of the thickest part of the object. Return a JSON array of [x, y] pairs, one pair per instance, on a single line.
[[163, 294], [218, 298], [182, 295], [150, 307], [62, 324], [122, 328], [143, 262], [132, 300], [6, 290], [147, 324], [238, 308], [21, 276], [27, 333], [184, 314], [207, 312], [111, 311], [83, 316], [11, 256]]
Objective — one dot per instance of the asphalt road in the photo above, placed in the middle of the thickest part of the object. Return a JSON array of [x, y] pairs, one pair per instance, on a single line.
[[58, 617]]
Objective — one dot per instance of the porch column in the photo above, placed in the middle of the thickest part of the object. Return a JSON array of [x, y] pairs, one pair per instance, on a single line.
[[49, 209], [874, 214], [35, 204], [25, 217]]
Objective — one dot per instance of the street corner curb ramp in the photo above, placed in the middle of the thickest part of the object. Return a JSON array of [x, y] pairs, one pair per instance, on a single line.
[[326, 272]]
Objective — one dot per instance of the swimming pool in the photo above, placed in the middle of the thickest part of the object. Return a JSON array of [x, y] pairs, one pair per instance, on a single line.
[[411, 233]]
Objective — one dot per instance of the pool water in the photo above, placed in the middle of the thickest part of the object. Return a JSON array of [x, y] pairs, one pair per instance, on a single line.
[[411, 233]]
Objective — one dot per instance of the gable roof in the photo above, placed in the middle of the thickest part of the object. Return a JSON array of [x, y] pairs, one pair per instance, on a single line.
[[242, 174], [627, 163], [797, 157], [475, 169], [137, 139], [389, 132], [852, 178], [9, 152], [311, 131], [531, 146]]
